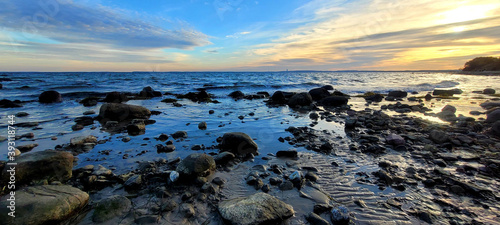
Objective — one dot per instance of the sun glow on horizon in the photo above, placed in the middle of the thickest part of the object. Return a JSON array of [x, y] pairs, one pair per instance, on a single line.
[[464, 13]]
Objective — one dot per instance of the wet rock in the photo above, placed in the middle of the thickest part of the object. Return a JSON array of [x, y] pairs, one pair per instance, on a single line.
[[89, 112], [340, 215], [168, 206], [44, 204], [89, 101], [211, 111], [136, 127], [50, 97], [449, 108], [287, 154], [114, 206], [493, 116], [255, 210], [449, 92], [398, 94], [334, 101], [495, 128], [300, 99], [489, 91], [319, 93], [5, 103], [187, 210], [238, 143], [47, 165], [236, 95], [22, 114], [219, 181], [196, 165], [374, 97], [278, 98], [384, 177], [428, 97], [115, 97], [314, 219], [26, 148], [223, 158], [149, 92], [121, 112], [394, 139], [201, 96], [275, 181], [179, 134], [286, 186], [102, 171], [133, 183], [311, 176], [321, 208], [427, 217], [438, 136], [202, 125]]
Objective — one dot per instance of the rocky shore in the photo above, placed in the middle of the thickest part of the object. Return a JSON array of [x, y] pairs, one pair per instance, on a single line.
[[384, 165]]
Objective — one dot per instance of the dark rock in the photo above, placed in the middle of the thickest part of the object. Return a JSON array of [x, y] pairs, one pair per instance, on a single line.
[[26, 148], [311, 176], [114, 206], [22, 114], [394, 139], [44, 165], [120, 112], [223, 158], [196, 165], [165, 148], [300, 99], [319, 93], [238, 143], [449, 108], [489, 91], [328, 87], [169, 100], [202, 125], [428, 97], [398, 94], [179, 134], [219, 181], [374, 97], [334, 101], [89, 101], [495, 128], [5, 79], [187, 210], [287, 154], [5, 103], [449, 92], [201, 96], [255, 210], [236, 95], [321, 208], [211, 111], [44, 204], [115, 97], [314, 219], [286, 185], [278, 98], [438, 136], [493, 116], [50, 97], [148, 92], [133, 183], [340, 215]]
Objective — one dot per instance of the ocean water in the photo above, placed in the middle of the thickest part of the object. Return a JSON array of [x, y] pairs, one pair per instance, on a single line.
[[266, 126]]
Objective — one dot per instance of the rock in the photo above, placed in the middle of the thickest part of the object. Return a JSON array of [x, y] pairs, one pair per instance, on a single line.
[[120, 112], [168, 206], [45, 204], [490, 104], [133, 183], [340, 215], [238, 143], [295, 176], [5, 103], [449, 92], [311, 176], [136, 127], [493, 116], [438, 136], [374, 97], [50, 97], [201, 96], [394, 139], [287, 154], [428, 97], [89, 112], [495, 128], [26, 148], [223, 158], [398, 94], [47, 165], [328, 87], [211, 111], [80, 141], [89, 101], [314, 219], [257, 209], [300, 99], [174, 176], [111, 207], [169, 100], [286, 185], [148, 92], [278, 98], [187, 209], [334, 101], [22, 114], [489, 91], [236, 95], [319, 93], [449, 108], [202, 125], [102, 171], [115, 97], [179, 134], [196, 165]]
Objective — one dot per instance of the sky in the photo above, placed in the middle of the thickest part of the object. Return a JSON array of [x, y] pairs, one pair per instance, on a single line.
[[245, 35]]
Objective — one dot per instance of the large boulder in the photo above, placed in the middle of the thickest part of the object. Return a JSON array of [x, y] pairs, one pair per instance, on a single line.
[[319, 93], [45, 204], [278, 98], [238, 143], [112, 207], [493, 116], [398, 94], [50, 97], [148, 92], [300, 99], [196, 165], [489, 91], [115, 97], [45, 165], [334, 101], [257, 209], [120, 112]]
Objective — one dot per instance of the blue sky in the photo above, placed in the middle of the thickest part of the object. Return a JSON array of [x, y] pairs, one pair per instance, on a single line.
[[241, 35]]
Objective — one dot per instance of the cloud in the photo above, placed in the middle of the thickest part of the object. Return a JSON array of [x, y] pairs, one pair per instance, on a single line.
[[238, 34], [70, 22]]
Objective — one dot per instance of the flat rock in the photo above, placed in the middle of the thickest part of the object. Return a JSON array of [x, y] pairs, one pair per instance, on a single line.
[[257, 209], [45, 204], [111, 207]]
